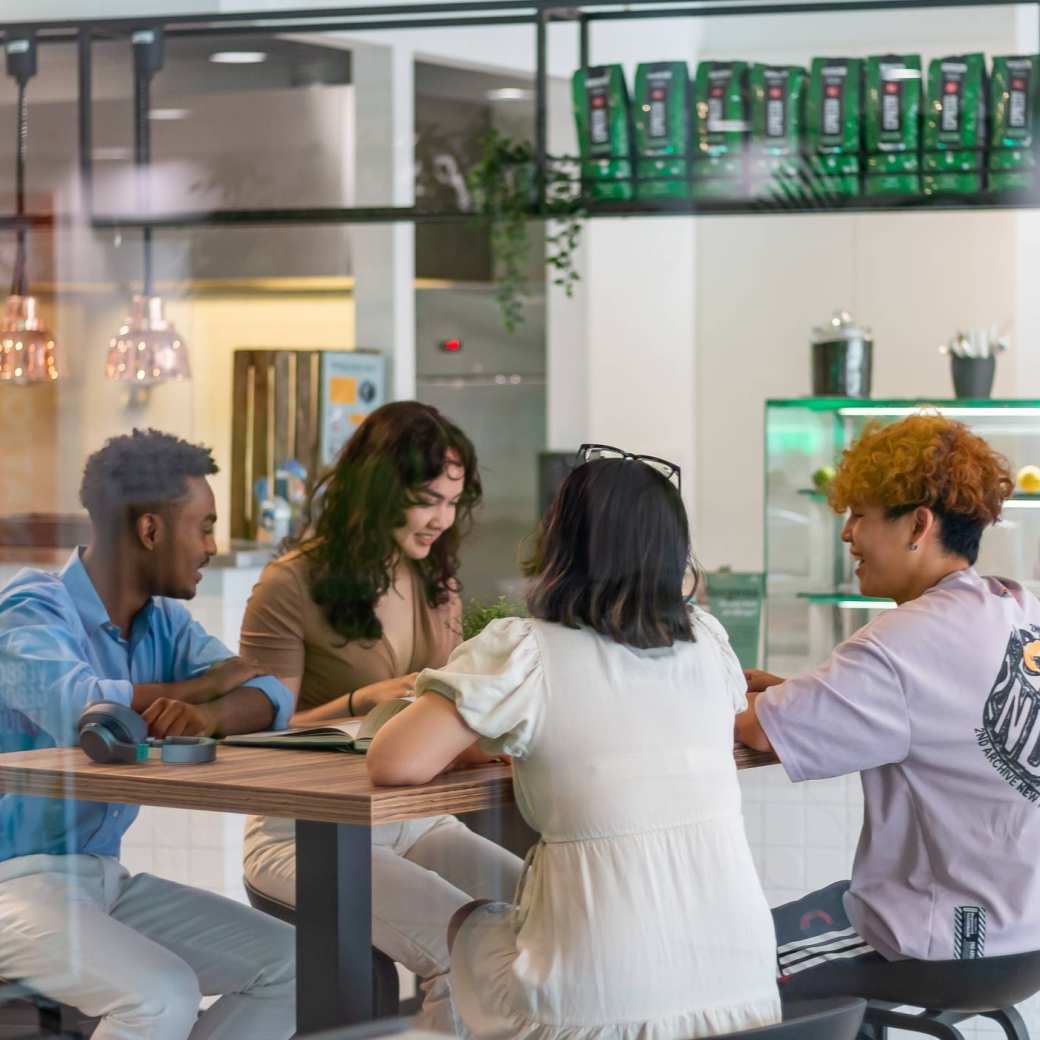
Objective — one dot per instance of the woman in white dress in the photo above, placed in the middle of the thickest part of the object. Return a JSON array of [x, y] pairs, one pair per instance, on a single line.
[[640, 916]]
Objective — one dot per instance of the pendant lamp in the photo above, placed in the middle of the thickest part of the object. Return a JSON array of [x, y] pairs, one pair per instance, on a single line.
[[27, 350], [147, 349]]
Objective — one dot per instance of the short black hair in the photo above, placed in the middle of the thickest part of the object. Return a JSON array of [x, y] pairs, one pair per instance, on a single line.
[[612, 554], [959, 534], [140, 472]]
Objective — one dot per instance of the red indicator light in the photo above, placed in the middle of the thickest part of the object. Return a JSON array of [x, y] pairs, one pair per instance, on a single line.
[[450, 346], [951, 87]]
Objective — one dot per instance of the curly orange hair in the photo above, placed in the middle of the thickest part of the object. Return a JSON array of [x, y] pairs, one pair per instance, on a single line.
[[923, 460]]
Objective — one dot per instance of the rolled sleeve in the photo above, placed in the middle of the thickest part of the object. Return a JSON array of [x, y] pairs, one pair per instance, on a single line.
[[278, 695], [196, 651]]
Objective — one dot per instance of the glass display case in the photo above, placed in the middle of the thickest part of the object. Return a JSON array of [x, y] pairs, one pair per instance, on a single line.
[[812, 596]]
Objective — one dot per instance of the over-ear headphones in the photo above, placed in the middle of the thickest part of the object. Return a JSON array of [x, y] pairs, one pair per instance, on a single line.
[[111, 732]]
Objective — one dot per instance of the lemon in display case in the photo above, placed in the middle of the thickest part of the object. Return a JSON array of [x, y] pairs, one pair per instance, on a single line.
[[812, 599]]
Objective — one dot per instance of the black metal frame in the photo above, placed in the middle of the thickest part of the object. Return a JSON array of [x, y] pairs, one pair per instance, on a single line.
[[535, 13]]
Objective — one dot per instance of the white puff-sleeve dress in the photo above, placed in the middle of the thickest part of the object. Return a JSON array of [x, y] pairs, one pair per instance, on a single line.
[[640, 915]]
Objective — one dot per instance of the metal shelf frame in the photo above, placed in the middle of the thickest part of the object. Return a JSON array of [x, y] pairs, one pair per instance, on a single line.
[[538, 15]]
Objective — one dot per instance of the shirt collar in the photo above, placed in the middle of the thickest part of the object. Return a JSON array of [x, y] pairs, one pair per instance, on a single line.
[[85, 597]]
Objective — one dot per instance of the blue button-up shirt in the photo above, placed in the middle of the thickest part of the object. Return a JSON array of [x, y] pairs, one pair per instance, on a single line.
[[59, 652]]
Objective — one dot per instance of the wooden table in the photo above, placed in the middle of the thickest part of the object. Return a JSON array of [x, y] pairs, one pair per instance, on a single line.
[[335, 807]]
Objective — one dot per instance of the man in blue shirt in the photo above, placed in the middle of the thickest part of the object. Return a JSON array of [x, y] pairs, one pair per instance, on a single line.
[[137, 952]]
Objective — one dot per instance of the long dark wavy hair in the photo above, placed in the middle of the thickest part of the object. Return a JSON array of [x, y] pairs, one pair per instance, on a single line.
[[348, 536], [612, 553]]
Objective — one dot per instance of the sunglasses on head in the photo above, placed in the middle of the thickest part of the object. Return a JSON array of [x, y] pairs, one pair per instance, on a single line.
[[668, 470]]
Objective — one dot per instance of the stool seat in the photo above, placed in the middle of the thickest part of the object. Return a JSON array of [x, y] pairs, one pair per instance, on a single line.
[[949, 992], [968, 986]]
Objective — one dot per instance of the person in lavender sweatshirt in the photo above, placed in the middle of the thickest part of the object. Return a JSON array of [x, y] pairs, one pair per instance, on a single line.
[[936, 704]]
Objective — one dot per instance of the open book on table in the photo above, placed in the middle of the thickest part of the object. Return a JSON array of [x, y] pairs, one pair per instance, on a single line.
[[347, 735]]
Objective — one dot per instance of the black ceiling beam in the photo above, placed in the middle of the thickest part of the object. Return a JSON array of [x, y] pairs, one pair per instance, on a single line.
[[720, 9], [428, 15]]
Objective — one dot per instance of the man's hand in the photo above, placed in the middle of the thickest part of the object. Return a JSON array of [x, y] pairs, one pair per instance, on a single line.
[[757, 680], [171, 718], [367, 697], [214, 683]]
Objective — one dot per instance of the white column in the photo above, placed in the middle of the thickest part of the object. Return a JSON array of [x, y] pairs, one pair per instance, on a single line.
[[641, 335], [383, 255]]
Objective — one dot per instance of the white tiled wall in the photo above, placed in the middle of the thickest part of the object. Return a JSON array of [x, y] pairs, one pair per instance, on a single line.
[[803, 837]]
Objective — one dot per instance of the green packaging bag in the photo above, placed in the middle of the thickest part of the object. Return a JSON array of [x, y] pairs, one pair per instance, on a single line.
[[892, 124], [774, 152], [601, 111], [955, 125], [1014, 97], [721, 122], [833, 118], [662, 128]]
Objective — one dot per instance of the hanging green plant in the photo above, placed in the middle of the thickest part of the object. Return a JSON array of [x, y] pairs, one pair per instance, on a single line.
[[504, 185]]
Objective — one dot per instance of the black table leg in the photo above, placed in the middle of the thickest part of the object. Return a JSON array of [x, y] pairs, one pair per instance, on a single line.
[[333, 925]]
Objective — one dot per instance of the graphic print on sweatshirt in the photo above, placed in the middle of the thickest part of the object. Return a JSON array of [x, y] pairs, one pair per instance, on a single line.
[[1010, 733]]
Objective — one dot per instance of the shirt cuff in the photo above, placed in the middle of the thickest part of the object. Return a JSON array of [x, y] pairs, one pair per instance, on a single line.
[[119, 690], [278, 694], [768, 715]]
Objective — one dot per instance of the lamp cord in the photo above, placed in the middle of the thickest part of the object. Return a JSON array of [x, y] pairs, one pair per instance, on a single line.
[[18, 278], [143, 160]]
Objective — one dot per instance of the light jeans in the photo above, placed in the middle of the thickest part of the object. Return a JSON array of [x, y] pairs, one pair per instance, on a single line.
[[422, 872], [139, 952]]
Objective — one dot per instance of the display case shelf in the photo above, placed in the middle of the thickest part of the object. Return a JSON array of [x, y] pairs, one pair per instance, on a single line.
[[1019, 499], [812, 596], [847, 600]]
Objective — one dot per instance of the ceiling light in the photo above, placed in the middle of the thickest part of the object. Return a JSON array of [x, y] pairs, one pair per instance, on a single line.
[[146, 349], [238, 57], [508, 94], [169, 113], [27, 350]]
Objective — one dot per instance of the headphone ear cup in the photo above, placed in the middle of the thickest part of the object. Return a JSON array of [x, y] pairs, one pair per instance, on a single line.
[[101, 746], [112, 732]]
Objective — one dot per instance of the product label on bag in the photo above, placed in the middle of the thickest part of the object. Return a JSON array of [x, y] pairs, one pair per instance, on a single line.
[[832, 100], [952, 88], [659, 87], [1018, 94], [891, 99], [776, 102], [599, 112], [718, 85]]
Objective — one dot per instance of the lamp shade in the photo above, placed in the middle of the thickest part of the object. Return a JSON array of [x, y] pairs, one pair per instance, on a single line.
[[147, 349], [27, 351]]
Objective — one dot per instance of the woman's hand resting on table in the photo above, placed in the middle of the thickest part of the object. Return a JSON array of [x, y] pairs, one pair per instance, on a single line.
[[473, 756], [367, 697]]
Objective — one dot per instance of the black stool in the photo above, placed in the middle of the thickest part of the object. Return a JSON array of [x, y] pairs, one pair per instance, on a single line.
[[950, 992], [833, 1018], [28, 1015], [836, 1018], [386, 989]]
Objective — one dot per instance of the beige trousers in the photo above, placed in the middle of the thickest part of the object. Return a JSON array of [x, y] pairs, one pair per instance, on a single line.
[[422, 872], [139, 952]]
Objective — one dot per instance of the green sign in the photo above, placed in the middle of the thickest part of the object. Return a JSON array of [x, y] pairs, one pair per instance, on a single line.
[[735, 599]]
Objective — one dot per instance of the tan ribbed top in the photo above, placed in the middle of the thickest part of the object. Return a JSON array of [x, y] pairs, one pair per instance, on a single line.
[[286, 633]]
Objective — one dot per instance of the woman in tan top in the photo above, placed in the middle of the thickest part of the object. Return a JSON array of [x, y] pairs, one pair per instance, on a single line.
[[346, 619]]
